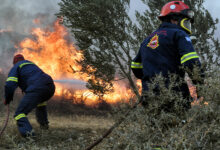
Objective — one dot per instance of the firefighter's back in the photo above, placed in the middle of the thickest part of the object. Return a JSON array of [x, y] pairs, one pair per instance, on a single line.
[[31, 77], [160, 51]]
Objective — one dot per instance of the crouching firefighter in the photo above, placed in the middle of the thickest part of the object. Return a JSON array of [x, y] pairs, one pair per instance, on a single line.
[[38, 88], [169, 50]]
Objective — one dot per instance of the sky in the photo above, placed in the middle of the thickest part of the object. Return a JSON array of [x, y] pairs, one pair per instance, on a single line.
[[18, 15], [213, 7]]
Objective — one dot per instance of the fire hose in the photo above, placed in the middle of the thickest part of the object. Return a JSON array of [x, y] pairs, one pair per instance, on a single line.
[[113, 127], [6, 121]]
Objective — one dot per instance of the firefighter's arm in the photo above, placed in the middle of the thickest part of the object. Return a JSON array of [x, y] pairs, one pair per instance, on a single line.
[[10, 85], [196, 74], [189, 58], [195, 71], [190, 61], [137, 67]]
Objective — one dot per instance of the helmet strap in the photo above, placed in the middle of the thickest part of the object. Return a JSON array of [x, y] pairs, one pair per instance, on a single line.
[[185, 23]]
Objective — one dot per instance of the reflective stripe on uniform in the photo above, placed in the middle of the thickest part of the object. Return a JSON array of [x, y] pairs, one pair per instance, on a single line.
[[136, 65], [20, 116], [189, 56], [42, 104], [15, 79], [28, 63]]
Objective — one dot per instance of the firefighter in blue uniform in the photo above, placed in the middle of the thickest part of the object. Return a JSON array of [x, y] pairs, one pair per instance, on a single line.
[[38, 88], [169, 50]]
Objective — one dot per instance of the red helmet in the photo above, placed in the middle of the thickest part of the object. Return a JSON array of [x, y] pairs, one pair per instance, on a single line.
[[176, 7], [17, 58]]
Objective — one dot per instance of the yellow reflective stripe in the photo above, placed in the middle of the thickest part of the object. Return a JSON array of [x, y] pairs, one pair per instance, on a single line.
[[188, 56], [189, 59], [136, 65], [28, 63], [15, 79], [42, 104], [20, 116]]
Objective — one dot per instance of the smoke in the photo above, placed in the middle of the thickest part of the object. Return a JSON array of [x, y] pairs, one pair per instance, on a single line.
[[17, 20], [71, 83], [18, 15]]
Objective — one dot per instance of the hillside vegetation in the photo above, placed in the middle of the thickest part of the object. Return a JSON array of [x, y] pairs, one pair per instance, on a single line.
[[76, 127]]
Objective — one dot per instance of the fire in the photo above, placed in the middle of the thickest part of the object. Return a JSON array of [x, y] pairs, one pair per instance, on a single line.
[[192, 90], [53, 51]]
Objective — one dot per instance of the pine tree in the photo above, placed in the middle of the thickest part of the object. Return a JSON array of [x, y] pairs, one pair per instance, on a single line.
[[103, 32]]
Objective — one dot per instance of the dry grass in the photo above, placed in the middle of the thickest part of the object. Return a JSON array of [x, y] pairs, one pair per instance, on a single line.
[[81, 122], [67, 131]]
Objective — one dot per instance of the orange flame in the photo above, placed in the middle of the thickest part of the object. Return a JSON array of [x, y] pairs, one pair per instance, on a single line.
[[196, 100], [53, 52]]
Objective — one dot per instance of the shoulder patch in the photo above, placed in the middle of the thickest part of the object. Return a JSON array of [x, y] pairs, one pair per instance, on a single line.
[[154, 42], [188, 39]]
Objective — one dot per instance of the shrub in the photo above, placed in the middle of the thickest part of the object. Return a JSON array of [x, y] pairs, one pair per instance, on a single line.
[[149, 127]]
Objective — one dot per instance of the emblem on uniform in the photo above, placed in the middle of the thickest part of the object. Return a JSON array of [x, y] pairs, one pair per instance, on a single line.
[[154, 42], [188, 39]]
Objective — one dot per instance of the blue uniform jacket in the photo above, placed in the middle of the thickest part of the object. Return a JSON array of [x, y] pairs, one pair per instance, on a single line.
[[28, 76], [165, 51]]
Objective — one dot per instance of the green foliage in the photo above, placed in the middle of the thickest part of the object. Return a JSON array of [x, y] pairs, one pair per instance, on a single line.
[[103, 32], [151, 127]]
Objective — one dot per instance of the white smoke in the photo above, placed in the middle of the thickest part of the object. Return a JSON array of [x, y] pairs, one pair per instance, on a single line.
[[17, 15], [16, 22], [71, 83]]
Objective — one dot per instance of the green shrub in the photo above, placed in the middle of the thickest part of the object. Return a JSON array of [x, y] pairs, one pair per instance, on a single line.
[[146, 128]]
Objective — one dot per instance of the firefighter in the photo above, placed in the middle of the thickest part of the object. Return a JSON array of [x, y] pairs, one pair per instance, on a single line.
[[169, 50], [38, 88]]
